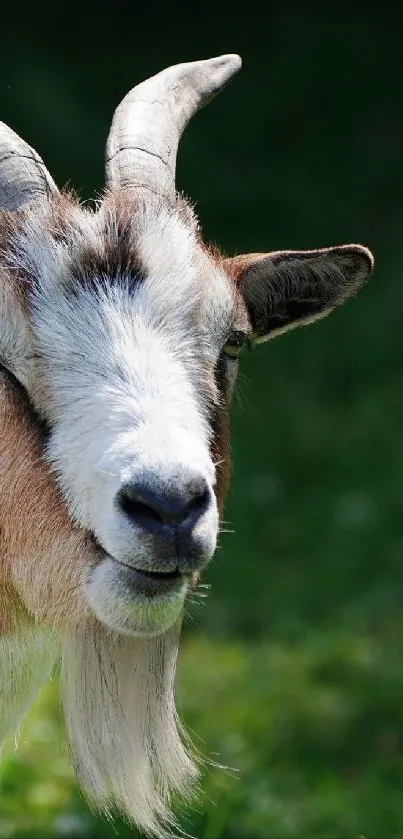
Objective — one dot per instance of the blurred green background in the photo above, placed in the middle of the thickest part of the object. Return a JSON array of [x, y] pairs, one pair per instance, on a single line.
[[292, 672]]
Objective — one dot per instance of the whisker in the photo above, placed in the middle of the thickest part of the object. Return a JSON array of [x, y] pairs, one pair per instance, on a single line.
[[199, 598]]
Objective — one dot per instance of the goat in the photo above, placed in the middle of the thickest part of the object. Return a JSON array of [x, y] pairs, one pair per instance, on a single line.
[[120, 332]]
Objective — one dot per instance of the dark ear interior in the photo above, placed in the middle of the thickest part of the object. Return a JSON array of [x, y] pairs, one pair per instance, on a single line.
[[285, 289]]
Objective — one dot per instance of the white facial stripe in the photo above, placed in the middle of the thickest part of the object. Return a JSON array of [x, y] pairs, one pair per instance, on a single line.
[[186, 292], [119, 396]]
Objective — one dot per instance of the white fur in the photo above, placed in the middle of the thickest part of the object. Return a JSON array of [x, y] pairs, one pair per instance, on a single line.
[[119, 608], [122, 724]]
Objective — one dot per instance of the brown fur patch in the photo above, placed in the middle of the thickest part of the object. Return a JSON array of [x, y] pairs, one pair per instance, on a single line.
[[115, 254], [61, 220], [221, 455], [221, 415], [10, 225], [43, 555]]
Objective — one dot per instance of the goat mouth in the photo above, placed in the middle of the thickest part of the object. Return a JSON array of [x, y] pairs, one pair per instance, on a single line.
[[143, 582], [158, 575], [152, 583]]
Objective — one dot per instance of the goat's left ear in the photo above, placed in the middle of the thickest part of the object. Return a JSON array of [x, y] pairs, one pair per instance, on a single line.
[[286, 289]]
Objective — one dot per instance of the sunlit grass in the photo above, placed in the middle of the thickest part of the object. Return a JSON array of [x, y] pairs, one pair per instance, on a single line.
[[309, 734]]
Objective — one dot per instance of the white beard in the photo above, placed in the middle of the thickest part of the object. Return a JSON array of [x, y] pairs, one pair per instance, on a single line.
[[118, 695]]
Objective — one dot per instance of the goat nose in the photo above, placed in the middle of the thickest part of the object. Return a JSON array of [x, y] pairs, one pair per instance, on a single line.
[[162, 513]]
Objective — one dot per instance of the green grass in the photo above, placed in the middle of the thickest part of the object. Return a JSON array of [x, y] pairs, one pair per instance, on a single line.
[[311, 731]]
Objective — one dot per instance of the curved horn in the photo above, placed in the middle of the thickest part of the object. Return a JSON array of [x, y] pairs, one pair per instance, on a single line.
[[147, 126], [23, 175]]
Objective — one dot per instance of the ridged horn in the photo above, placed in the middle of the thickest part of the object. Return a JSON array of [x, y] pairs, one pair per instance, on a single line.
[[23, 175], [147, 125]]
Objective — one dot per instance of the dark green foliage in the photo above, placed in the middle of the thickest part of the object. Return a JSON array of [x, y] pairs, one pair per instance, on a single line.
[[293, 671]]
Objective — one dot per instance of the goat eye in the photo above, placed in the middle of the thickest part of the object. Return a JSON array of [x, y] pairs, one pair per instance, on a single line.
[[235, 344]]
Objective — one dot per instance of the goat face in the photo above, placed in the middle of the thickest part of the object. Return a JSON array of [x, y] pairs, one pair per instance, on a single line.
[[124, 329], [128, 371]]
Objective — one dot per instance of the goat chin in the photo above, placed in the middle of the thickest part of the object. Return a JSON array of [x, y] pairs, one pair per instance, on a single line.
[[126, 742], [116, 599]]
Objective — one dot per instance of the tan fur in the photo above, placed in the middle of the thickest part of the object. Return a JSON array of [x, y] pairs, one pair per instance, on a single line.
[[42, 554]]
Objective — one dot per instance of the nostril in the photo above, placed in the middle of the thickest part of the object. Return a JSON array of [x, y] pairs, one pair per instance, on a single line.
[[139, 511], [196, 507], [162, 513]]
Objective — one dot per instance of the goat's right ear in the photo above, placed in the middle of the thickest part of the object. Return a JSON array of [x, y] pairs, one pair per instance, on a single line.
[[286, 289]]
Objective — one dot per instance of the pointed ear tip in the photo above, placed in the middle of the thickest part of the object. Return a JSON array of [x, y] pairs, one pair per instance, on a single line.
[[227, 65], [364, 255], [235, 60], [368, 256], [228, 58]]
